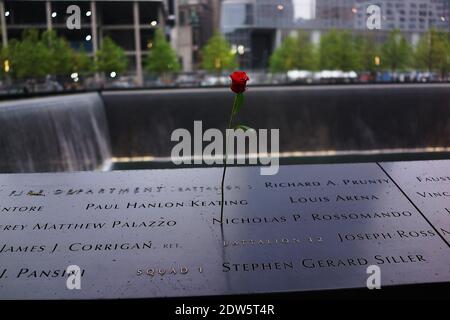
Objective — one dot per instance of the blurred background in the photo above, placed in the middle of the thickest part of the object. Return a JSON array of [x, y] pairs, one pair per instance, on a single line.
[[193, 43]]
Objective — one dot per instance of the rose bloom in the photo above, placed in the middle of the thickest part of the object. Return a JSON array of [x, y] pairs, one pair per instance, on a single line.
[[239, 81]]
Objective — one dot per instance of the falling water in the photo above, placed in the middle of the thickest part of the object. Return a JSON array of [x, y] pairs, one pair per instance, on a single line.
[[65, 133]]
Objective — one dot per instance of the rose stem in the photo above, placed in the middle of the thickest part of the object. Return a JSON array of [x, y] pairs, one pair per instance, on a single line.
[[226, 154]]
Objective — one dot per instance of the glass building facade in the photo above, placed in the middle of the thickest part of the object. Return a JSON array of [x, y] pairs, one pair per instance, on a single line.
[[260, 25], [255, 26], [407, 15], [120, 20]]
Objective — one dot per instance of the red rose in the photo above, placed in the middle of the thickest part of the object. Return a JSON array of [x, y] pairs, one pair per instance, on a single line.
[[238, 81]]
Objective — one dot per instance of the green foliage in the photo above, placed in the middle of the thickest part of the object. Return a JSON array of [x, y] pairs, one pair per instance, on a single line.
[[433, 52], [82, 63], [111, 57], [217, 55], [285, 57], [396, 52], [4, 56], [35, 56], [28, 57], [59, 54], [368, 50], [338, 51], [243, 127], [162, 58], [294, 53]]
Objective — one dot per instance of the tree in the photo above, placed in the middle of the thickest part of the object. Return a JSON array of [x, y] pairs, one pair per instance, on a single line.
[[368, 51], [284, 58], [217, 55], [294, 53], [5, 60], [338, 51], [111, 57], [433, 52], [82, 63], [162, 58], [35, 56], [28, 57], [396, 51], [60, 54]]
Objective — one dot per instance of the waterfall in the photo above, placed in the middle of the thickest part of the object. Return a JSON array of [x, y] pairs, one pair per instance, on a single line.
[[64, 133]]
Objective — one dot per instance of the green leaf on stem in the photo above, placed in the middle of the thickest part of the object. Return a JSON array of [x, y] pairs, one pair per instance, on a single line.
[[242, 127]]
